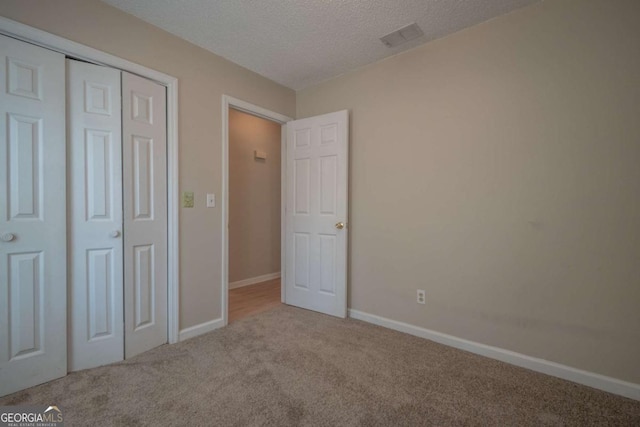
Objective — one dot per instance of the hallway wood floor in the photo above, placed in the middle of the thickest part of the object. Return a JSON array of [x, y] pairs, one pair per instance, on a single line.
[[253, 299]]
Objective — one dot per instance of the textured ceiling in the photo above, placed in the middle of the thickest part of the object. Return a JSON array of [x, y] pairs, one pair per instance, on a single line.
[[302, 42]]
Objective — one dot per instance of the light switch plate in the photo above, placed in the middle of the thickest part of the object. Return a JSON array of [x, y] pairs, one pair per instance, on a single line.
[[187, 199], [211, 200]]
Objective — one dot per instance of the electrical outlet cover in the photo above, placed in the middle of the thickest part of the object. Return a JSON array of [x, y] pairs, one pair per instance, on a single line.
[[187, 199]]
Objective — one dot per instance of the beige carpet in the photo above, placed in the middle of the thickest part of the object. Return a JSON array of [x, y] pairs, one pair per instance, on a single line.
[[294, 367]]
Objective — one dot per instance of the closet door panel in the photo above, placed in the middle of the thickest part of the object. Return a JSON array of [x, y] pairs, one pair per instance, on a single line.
[[145, 213], [33, 273], [96, 335]]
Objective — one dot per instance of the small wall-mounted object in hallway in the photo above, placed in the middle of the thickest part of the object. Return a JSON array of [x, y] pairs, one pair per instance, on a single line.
[[187, 199], [260, 155]]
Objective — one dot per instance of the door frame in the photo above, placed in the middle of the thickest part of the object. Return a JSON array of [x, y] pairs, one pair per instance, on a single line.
[[75, 50], [246, 107]]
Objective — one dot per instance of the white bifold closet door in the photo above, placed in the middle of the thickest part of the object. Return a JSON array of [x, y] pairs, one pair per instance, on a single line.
[[96, 332], [144, 148], [33, 260], [118, 226]]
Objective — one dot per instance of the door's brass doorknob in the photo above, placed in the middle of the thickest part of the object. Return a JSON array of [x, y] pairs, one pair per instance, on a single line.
[[340, 225]]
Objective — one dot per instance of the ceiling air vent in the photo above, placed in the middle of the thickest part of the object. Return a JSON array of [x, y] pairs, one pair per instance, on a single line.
[[403, 35]]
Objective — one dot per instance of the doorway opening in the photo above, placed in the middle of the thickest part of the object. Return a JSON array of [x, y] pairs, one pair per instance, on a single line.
[[254, 214], [252, 209]]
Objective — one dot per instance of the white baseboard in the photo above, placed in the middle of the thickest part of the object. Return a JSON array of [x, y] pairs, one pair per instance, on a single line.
[[254, 280], [601, 382], [202, 328]]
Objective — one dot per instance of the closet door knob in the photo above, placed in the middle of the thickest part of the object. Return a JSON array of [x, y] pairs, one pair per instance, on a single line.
[[115, 233], [8, 237]]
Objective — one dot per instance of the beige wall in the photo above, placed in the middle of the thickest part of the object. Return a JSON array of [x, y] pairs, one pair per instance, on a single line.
[[254, 197], [203, 78], [499, 170]]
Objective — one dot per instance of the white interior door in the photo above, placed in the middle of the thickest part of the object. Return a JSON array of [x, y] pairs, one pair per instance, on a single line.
[[144, 159], [316, 213], [96, 334], [33, 263]]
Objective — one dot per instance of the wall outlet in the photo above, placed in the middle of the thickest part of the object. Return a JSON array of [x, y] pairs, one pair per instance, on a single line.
[[187, 199], [422, 297]]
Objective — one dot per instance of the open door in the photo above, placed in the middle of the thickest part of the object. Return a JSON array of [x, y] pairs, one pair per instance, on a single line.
[[316, 213]]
